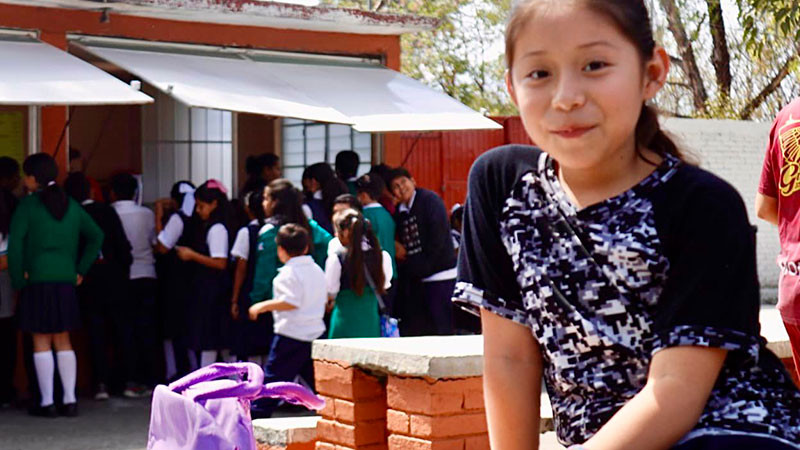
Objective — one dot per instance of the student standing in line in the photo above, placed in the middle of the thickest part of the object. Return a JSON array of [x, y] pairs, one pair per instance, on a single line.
[[282, 205], [606, 263], [386, 199], [346, 164], [426, 261], [139, 335], [321, 188], [298, 306], [208, 306], [43, 262], [355, 276], [251, 340], [175, 224], [104, 311], [369, 188]]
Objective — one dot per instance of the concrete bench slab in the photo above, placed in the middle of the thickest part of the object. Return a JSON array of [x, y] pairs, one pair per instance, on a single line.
[[284, 431], [773, 330]]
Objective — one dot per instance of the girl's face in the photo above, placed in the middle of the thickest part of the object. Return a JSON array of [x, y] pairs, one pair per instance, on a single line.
[[579, 84], [267, 203], [204, 209], [30, 183]]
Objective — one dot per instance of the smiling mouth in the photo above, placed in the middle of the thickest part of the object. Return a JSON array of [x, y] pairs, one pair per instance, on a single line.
[[572, 133]]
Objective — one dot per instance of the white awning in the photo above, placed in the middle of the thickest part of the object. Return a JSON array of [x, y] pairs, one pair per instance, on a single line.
[[35, 73], [225, 82], [378, 99], [371, 98]]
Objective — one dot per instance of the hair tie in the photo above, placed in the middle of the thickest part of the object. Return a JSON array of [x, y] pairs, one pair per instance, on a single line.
[[216, 184], [365, 246], [51, 183]]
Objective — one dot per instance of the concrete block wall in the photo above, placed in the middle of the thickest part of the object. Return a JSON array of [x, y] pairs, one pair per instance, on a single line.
[[734, 150]]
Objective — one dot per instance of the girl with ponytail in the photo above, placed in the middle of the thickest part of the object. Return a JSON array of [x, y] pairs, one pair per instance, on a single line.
[[43, 250], [355, 276], [605, 263]]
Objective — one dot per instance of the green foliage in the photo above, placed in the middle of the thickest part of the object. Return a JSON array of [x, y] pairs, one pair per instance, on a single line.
[[760, 18]]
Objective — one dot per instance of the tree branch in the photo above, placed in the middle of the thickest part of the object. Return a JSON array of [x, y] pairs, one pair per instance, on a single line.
[[675, 25], [762, 96], [721, 56]]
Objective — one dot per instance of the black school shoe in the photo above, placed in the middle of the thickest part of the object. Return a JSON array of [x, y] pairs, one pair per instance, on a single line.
[[69, 410], [49, 411]]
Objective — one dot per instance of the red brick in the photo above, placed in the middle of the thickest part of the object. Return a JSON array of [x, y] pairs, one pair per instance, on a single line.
[[431, 397], [335, 379], [473, 400], [350, 435], [328, 411], [301, 446], [397, 442], [447, 426], [480, 442], [365, 410], [397, 422]]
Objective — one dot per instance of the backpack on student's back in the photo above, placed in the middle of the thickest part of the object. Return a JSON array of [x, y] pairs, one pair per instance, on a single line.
[[204, 410]]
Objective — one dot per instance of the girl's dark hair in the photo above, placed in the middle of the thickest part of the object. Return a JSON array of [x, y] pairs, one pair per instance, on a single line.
[[331, 186], [371, 184], [6, 204], [253, 201], [176, 194], [43, 168], [287, 203], [223, 213], [632, 19], [77, 186], [363, 250], [349, 200]]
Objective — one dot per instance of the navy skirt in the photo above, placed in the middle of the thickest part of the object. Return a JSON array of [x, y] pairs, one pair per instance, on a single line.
[[49, 308]]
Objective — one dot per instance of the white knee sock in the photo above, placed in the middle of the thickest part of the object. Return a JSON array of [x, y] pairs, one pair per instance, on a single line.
[[45, 371], [67, 370], [208, 357], [169, 357]]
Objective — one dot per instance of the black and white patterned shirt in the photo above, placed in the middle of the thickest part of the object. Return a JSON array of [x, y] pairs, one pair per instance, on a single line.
[[670, 262]]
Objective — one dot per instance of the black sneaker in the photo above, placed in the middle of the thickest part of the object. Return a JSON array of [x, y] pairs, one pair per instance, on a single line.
[[49, 411], [69, 410]]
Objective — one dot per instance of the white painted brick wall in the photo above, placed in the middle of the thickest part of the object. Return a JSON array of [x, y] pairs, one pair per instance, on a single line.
[[734, 150]]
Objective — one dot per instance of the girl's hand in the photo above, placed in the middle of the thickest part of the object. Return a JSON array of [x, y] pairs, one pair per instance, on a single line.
[[79, 281], [185, 253], [331, 303], [234, 309], [253, 312]]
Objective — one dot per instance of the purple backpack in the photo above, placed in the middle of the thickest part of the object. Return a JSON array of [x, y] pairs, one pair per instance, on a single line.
[[201, 411]]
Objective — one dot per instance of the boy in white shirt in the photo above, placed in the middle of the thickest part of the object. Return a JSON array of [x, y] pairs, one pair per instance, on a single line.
[[298, 307]]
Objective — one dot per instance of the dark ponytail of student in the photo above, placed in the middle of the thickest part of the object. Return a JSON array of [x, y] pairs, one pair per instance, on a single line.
[[362, 250], [43, 168], [254, 200], [287, 204]]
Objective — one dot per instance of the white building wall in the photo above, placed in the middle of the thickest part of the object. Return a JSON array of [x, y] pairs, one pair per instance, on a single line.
[[734, 150]]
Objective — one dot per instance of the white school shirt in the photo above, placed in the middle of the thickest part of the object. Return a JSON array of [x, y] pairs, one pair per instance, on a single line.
[[169, 236], [301, 283], [140, 228], [333, 273], [241, 246], [217, 241]]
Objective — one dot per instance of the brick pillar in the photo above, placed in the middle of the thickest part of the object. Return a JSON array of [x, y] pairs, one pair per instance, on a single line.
[[445, 414], [354, 416]]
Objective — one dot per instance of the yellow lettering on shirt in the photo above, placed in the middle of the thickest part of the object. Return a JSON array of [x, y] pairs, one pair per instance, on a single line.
[[789, 136]]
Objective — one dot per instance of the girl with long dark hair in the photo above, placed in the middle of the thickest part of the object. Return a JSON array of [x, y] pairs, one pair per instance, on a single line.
[[355, 276], [250, 339], [321, 187], [209, 319], [43, 261]]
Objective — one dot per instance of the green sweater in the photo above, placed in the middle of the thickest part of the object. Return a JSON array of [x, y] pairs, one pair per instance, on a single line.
[[47, 249], [267, 263], [384, 228]]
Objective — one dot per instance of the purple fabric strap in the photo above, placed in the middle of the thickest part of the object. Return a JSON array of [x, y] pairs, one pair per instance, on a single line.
[[250, 389]]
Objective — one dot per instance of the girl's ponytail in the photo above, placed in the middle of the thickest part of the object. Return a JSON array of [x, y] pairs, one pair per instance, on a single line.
[[363, 250], [43, 168], [649, 135]]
